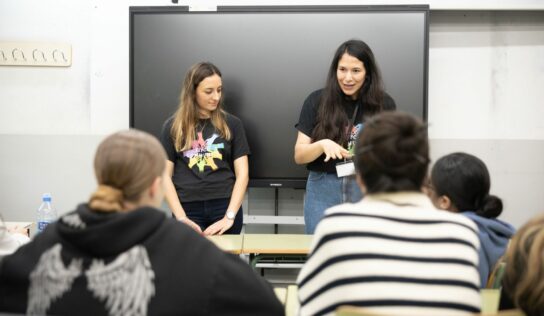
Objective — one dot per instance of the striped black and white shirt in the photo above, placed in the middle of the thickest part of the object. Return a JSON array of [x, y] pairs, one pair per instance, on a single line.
[[392, 253]]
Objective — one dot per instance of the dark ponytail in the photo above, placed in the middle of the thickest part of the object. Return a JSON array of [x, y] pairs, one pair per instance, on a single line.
[[464, 179], [491, 207]]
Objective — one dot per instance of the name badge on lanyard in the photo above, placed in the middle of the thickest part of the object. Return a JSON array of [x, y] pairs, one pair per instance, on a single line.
[[347, 167]]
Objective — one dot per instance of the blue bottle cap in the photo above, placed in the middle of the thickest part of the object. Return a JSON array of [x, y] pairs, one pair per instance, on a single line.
[[46, 197]]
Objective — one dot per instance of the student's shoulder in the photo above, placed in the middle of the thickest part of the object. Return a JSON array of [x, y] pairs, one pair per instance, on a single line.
[[314, 96], [346, 209], [167, 125], [232, 120], [231, 117], [235, 277], [388, 102], [28, 254], [457, 218], [311, 103]]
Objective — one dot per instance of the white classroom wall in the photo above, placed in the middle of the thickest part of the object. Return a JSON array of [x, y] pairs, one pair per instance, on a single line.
[[486, 79]]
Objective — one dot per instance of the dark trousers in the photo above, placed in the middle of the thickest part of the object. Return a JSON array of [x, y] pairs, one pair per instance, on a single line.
[[205, 213]]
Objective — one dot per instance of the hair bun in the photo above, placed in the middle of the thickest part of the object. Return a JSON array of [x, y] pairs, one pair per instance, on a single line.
[[491, 207], [409, 139], [106, 198], [399, 153]]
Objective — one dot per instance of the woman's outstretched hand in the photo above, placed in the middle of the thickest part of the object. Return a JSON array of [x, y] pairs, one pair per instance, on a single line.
[[333, 151]]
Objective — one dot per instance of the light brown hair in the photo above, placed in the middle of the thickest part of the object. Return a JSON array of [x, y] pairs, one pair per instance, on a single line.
[[186, 116], [126, 164], [524, 274]]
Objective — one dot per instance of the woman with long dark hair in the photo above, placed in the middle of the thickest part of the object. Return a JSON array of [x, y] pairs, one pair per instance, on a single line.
[[329, 123], [207, 156]]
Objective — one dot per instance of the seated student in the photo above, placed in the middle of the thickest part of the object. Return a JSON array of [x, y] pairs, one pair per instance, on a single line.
[[460, 183], [392, 252], [11, 238], [120, 255], [523, 281]]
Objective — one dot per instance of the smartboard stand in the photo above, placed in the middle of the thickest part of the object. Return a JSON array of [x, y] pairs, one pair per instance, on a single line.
[[275, 219]]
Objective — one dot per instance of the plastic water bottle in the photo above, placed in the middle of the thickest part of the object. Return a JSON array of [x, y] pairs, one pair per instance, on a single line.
[[46, 212]]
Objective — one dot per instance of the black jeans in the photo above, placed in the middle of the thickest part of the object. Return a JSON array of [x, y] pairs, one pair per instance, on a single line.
[[205, 213]]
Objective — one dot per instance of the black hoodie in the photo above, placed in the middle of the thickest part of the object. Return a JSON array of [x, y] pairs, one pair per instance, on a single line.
[[133, 263]]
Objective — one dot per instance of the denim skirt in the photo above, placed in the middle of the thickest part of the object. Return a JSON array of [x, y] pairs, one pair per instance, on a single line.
[[324, 190]]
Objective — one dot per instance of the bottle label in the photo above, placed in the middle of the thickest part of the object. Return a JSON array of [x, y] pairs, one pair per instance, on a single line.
[[42, 225]]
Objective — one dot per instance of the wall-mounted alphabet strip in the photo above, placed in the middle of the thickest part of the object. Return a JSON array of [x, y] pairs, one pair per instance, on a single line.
[[35, 54]]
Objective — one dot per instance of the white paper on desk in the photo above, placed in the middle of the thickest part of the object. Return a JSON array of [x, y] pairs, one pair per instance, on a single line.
[[26, 225]]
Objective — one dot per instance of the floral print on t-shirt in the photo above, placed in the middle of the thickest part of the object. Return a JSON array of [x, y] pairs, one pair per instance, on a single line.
[[204, 152], [355, 130]]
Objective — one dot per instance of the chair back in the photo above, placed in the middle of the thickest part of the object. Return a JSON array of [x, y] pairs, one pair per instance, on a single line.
[[495, 278], [360, 311]]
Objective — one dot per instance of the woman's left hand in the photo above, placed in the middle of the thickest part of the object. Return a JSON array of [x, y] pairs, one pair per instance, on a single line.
[[219, 227]]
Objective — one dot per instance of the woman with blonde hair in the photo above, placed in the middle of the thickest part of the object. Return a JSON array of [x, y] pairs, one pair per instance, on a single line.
[[523, 281], [207, 152], [119, 255]]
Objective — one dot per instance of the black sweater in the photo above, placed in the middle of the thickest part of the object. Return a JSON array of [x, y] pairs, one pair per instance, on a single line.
[[138, 263]]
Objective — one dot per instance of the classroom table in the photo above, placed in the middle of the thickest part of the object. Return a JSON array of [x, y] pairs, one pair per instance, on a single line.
[[276, 250], [228, 243], [276, 244]]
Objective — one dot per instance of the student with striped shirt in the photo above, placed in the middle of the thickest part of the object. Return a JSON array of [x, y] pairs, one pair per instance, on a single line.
[[392, 252]]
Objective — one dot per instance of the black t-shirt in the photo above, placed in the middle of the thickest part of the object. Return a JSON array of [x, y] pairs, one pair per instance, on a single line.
[[307, 122], [206, 171]]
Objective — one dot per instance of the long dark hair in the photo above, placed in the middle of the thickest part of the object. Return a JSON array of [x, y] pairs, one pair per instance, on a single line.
[[465, 180], [392, 153], [331, 117]]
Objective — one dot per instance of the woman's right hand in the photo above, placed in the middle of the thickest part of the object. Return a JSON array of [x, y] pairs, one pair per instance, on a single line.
[[191, 224], [332, 150]]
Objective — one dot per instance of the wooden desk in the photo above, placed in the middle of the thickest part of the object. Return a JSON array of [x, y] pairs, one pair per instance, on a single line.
[[276, 251], [280, 244], [228, 243], [361, 311], [26, 225]]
